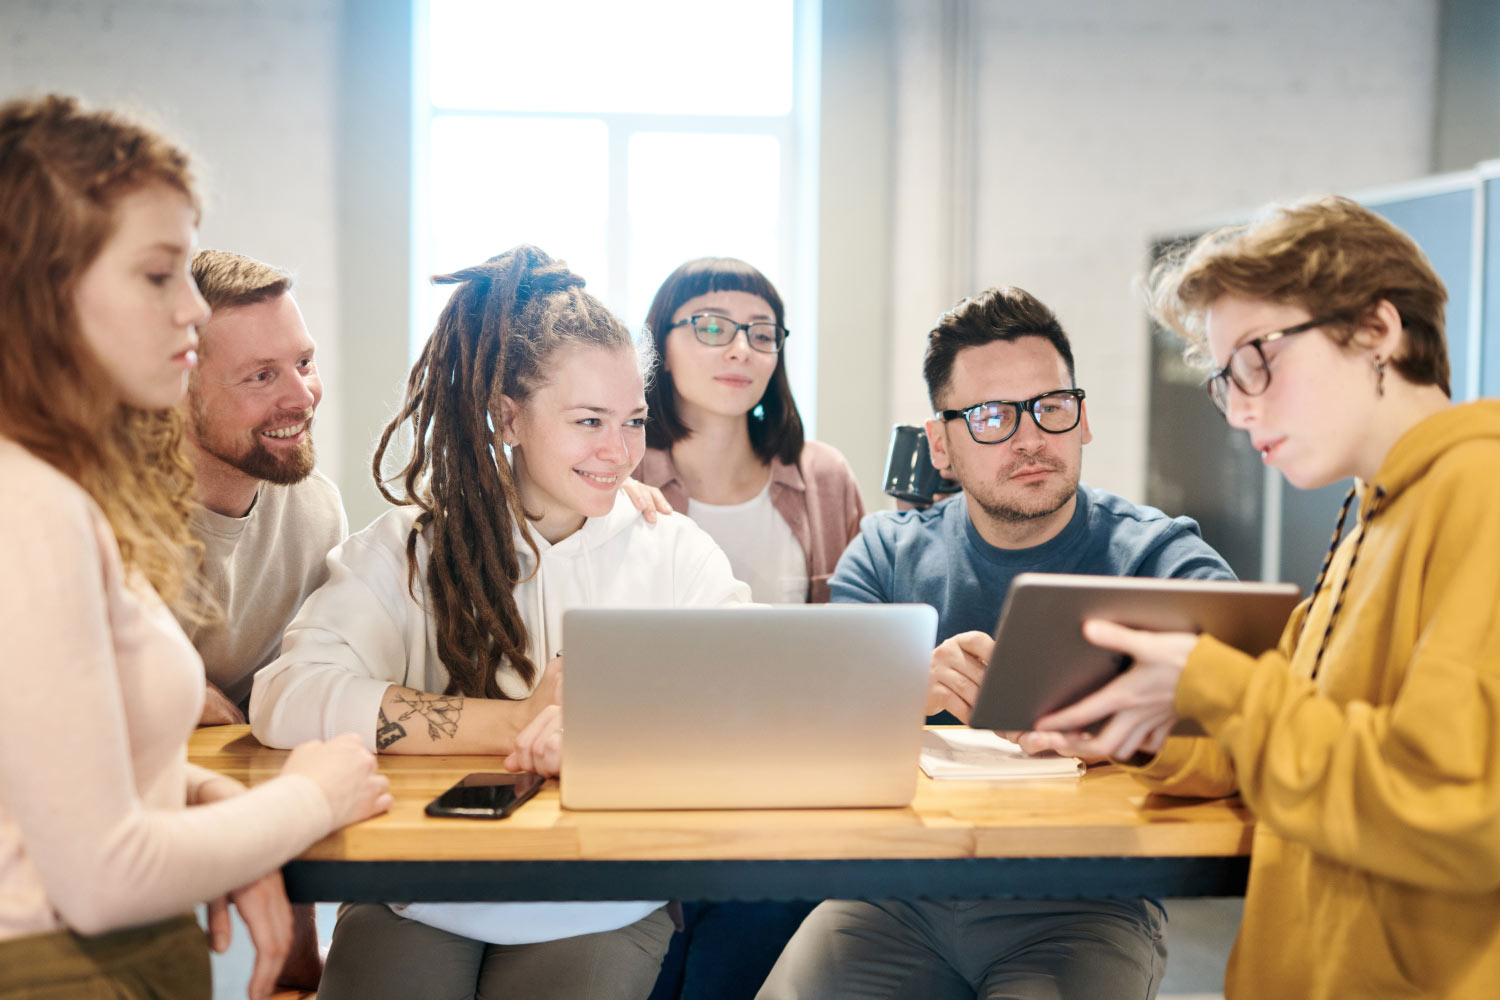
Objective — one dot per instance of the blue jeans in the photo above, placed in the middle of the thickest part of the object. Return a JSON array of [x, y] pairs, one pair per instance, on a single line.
[[726, 950]]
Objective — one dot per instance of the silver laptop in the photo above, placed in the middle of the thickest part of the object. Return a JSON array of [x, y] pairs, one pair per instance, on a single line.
[[742, 708]]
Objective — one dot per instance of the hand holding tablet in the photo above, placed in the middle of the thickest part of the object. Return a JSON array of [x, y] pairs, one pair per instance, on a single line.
[[1042, 661], [1136, 711]]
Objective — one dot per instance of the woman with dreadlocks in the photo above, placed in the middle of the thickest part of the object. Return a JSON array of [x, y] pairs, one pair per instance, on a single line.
[[1368, 743], [439, 628]]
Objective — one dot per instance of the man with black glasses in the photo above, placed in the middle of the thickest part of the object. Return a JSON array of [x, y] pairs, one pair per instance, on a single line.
[[1009, 427]]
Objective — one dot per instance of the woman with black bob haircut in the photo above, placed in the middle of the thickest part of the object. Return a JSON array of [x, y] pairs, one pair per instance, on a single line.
[[725, 433], [725, 445]]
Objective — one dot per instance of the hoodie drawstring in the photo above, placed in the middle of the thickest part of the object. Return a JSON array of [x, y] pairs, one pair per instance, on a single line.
[[1338, 601]]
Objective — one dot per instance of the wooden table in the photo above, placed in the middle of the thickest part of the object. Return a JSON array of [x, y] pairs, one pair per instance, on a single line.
[[1097, 836]]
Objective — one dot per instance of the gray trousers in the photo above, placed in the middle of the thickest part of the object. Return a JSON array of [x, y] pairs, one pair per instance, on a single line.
[[990, 949], [377, 954]]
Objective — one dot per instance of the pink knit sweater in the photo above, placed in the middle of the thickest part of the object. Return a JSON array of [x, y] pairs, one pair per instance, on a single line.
[[99, 690], [817, 497]]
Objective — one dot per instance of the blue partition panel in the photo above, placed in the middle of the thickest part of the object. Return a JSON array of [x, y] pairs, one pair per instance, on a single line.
[[1443, 226], [1489, 351]]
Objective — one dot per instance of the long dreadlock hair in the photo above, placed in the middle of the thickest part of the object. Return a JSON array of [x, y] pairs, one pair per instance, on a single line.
[[504, 321]]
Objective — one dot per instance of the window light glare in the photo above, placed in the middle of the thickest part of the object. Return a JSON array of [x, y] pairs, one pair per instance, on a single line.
[[710, 57]]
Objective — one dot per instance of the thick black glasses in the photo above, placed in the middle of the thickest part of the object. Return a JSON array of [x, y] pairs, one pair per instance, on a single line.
[[716, 331], [1055, 412], [1247, 366]]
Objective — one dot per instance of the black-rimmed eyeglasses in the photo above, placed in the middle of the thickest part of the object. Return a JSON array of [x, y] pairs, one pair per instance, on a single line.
[[716, 331], [1055, 412], [1247, 366]]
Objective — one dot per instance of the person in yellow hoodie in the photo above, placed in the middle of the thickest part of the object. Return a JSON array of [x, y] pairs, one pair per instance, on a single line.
[[1368, 743]]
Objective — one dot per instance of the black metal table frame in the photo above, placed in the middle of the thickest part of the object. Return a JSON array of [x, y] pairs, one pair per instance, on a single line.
[[875, 878]]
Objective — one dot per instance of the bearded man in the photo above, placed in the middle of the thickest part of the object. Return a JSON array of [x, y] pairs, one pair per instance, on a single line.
[[266, 517]]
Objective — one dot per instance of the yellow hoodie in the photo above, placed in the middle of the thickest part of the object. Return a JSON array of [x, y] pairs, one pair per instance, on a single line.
[[1376, 784]]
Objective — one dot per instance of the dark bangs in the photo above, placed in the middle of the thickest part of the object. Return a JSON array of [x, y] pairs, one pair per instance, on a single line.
[[777, 433]]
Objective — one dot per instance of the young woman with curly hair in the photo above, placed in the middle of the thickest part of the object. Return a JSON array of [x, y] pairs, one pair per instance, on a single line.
[[108, 837]]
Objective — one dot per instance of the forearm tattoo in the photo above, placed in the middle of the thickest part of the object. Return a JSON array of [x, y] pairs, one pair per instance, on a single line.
[[439, 711], [387, 732]]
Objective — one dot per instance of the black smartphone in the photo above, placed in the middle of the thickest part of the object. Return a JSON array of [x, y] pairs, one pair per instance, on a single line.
[[486, 796]]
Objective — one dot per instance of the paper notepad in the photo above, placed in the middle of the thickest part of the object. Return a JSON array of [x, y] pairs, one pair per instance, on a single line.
[[980, 754]]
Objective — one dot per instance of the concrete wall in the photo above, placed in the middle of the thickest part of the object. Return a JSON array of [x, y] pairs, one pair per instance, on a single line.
[[854, 229], [375, 225], [1085, 127], [965, 143], [249, 88], [1467, 129]]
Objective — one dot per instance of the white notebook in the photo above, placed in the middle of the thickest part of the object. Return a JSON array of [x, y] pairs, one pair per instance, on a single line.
[[981, 754]]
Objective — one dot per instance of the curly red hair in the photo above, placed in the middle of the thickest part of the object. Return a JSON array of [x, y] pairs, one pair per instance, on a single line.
[[63, 169]]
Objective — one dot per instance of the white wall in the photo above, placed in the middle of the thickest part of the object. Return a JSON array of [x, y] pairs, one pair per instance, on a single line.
[[1095, 123], [249, 88], [1467, 127], [967, 143], [855, 182]]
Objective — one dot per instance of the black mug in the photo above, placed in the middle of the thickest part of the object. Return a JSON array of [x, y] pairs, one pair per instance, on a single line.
[[909, 473]]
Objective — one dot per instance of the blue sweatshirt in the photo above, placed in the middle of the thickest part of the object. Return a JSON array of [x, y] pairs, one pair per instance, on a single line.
[[936, 556]]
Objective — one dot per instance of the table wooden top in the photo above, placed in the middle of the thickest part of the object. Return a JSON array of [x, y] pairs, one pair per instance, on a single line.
[[1105, 813]]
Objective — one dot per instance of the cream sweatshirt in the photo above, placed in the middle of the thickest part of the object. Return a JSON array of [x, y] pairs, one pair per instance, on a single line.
[[260, 568], [363, 631]]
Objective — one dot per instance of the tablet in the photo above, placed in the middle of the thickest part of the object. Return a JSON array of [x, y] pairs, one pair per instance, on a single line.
[[1042, 662]]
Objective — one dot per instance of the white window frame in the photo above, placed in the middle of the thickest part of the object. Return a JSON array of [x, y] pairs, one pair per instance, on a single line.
[[796, 132]]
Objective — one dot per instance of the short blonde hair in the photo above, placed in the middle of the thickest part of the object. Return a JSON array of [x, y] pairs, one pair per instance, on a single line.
[[229, 279], [1330, 256]]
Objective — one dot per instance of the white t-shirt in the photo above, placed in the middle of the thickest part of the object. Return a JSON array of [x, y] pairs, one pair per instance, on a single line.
[[760, 545]]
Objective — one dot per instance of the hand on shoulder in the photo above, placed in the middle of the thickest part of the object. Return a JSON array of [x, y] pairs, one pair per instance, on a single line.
[[647, 499]]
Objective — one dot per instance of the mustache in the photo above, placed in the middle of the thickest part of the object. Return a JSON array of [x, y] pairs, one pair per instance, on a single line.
[[285, 418], [1036, 462]]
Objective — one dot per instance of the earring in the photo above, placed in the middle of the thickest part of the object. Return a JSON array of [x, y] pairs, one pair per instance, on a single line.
[[1379, 364]]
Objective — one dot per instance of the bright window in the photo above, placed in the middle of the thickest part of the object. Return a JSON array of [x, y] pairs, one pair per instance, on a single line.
[[484, 198], [677, 57], [623, 136], [695, 195]]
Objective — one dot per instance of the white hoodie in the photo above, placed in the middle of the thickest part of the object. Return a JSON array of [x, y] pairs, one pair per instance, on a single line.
[[362, 631]]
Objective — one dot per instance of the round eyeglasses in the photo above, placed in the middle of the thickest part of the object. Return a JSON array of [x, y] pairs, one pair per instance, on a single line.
[[716, 331], [1055, 412], [1247, 366]]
